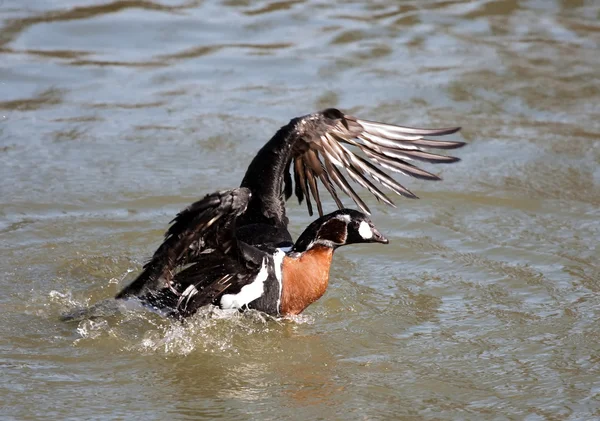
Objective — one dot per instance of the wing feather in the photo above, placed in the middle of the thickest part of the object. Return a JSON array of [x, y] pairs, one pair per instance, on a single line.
[[326, 181], [206, 224], [339, 179], [314, 190], [330, 142]]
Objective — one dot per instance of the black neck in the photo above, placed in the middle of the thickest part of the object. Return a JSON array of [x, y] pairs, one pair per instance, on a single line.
[[265, 177], [309, 235]]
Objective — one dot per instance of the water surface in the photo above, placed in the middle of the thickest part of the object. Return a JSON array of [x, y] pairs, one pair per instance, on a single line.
[[115, 115]]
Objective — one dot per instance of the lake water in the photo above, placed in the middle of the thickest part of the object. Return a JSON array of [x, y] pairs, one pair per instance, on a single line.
[[485, 305]]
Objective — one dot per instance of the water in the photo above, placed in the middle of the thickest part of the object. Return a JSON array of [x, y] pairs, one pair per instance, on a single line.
[[113, 116]]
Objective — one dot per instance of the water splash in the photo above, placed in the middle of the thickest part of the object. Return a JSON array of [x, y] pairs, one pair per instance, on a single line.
[[135, 328]]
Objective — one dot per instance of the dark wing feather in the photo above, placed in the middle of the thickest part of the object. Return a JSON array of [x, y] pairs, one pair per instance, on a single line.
[[328, 136], [202, 283], [206, 224]]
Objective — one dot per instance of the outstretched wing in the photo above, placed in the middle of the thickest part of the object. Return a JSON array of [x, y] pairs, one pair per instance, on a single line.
[[322, 151], [207, 224]]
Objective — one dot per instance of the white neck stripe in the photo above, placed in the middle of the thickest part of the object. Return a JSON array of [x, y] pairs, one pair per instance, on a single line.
[[277, 264]]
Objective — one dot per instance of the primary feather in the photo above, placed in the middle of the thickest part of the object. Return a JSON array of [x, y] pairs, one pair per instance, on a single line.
[[325, 143]]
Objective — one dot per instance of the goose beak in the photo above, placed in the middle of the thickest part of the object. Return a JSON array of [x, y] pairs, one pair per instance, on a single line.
[[378, 237]]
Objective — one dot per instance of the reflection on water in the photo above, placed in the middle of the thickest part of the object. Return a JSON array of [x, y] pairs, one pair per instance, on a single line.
[[115, 115]]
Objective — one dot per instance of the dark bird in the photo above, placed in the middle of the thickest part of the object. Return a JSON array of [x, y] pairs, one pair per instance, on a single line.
[[233, 248]]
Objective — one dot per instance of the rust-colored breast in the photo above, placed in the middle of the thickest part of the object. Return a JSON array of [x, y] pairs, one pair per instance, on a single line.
[[305, 279]]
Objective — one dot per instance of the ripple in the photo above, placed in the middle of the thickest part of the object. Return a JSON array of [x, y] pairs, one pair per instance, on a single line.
[[13, 27], [117, 114], [273, 6], [49, 97]]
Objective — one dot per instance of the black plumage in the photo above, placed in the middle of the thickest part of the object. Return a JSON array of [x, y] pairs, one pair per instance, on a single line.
[[221, 243], [319, 147]]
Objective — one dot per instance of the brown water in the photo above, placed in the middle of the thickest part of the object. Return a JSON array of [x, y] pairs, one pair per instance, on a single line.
[[115, 115]]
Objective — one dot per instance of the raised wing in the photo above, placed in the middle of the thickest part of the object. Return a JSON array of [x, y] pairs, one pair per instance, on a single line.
[[206, 225], [323, 150]]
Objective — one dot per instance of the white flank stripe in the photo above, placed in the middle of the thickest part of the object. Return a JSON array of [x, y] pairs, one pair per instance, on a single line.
[[249, 292], [278, 263]]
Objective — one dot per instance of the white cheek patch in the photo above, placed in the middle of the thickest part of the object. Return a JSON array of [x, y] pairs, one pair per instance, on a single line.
[[365, 230]]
